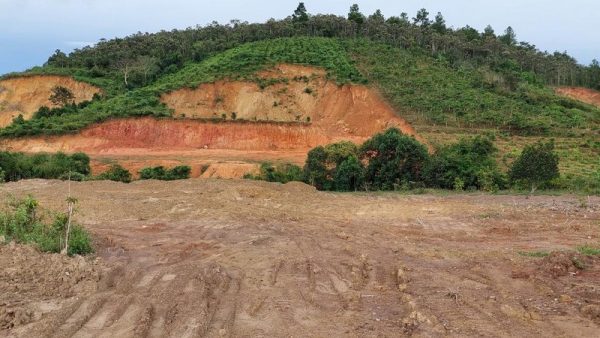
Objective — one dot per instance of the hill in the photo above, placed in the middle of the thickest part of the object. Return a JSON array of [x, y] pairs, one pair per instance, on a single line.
[[227, 80]]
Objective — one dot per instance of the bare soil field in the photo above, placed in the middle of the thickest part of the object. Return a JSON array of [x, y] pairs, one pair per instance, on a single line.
[[232, 258]]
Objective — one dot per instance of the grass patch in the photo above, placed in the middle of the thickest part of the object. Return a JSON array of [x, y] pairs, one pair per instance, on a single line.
[[589, 250], [23, 222], [536, 254]]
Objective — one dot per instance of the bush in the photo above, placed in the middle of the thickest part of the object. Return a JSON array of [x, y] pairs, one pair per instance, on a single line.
[[349, 175], [468, 164], [393, 159], [160, 173], [21, 222], [116, 173], [17, 166], [282, 173], [322, 162], [537, 165]]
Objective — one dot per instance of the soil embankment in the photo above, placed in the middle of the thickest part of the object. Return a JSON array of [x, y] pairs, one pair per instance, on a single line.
[[586, 95], [297, 110], [25, 95]]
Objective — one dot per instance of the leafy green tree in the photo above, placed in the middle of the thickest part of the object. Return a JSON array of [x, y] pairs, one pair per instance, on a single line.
[[355, 15], [537, 164], [377, 17], [315, 168], [439, 24], [349, 175], [61, 96], [469, 163], [488, 32], [422, 18], [509, 37], [300, 14], [393, 159], [322, 163]]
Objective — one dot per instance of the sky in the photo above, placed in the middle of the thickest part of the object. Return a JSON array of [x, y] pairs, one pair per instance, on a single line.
[[33, 29]]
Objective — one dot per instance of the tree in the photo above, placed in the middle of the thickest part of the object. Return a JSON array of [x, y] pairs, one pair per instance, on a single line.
[[322, 163], [58, 59], [377, 17], [469, 163], [422, 18], [355, 15], [393, 159], [439, 25], [300, 14], [488, 32], [349, 175], [61, 96], [509, 37], [537, 164]]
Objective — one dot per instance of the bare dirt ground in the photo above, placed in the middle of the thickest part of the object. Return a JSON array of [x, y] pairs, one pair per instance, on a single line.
[[229, 258]]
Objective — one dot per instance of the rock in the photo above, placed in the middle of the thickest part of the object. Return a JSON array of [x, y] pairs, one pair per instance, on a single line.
[[565, 299]]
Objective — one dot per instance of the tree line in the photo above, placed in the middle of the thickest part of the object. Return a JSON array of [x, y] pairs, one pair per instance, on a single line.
[[142, 57], [391, 160]]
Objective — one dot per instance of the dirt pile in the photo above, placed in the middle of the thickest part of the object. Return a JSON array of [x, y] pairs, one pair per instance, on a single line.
[[35, 283], [586, 95], [25, 95]]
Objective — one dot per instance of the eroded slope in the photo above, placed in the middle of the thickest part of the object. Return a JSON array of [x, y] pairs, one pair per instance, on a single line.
[[25, 95], [586, 95]]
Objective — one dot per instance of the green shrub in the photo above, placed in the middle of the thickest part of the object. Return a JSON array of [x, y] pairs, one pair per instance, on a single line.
[[349, 175], [160, 173], [116, 173], [322, 162], [467, 164], [537, 165], [17, 166], [22, 223], [393, 159], [282, 173]]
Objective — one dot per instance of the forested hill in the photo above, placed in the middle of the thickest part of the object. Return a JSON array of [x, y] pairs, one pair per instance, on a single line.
[[147, 56]]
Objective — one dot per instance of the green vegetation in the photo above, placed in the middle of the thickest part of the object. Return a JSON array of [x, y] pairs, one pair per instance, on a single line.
[[467, 164], [282, 173], [18, 166], [160, 173], [116, 173], [22, 222], [393, 161], [469, 96], [537, 165], [536, 254], [589, 250]]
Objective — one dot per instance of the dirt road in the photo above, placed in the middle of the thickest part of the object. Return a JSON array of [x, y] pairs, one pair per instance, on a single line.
[[229, 258]]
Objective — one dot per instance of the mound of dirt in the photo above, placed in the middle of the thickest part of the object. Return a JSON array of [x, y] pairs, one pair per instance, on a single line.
[[586, 95], [25, 95], [28, 278], [562, 263]]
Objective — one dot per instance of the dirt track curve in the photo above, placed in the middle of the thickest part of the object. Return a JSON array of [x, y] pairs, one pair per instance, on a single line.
[[229, 258]]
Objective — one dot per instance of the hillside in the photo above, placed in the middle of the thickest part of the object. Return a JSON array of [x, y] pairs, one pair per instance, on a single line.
[[236, 97]]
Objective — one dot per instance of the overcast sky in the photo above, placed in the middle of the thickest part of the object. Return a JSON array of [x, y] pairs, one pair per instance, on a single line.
[[33, 29]]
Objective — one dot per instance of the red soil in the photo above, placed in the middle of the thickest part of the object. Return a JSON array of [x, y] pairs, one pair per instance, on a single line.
[[586, 95], [263, 130], [25, 95]]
